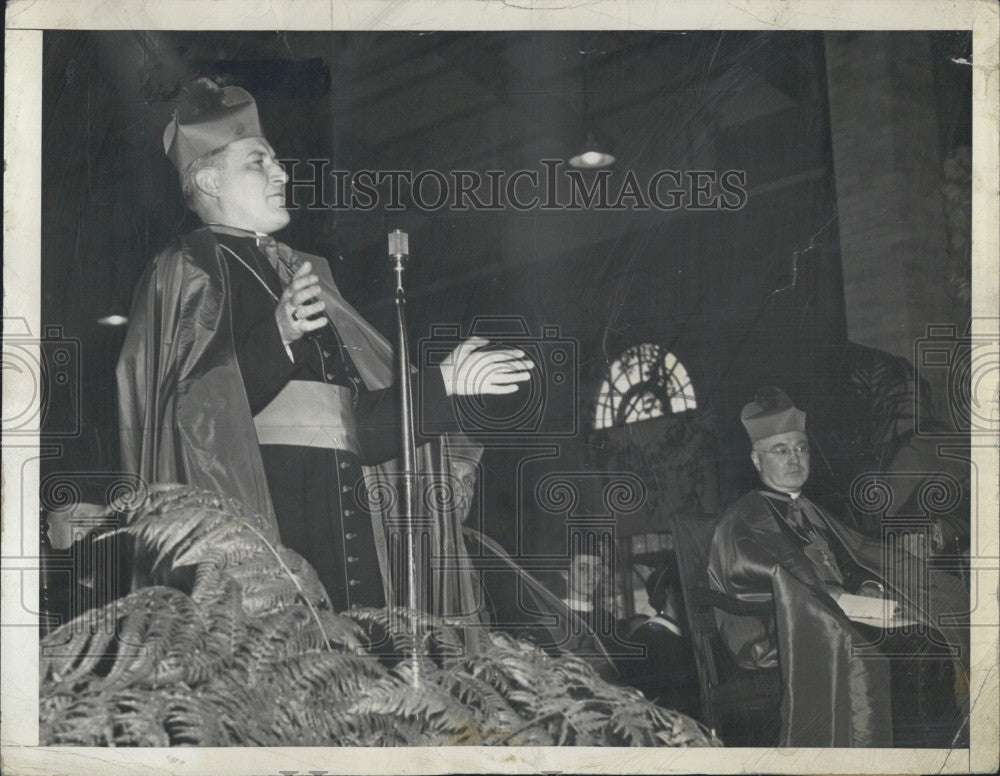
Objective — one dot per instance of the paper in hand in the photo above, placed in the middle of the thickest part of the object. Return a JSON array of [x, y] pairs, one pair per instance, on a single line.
[[866, 609]]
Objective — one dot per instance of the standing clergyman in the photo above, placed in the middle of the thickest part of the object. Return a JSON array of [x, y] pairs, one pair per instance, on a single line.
[[246, 373]]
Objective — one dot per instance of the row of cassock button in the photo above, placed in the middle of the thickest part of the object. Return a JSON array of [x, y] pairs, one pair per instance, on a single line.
[[348, 535], [350, 371]]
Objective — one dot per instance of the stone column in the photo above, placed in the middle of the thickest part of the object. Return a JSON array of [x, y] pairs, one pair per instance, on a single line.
[[888, 182]]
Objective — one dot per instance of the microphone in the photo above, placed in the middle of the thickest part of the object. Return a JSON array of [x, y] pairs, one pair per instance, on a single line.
[[399, 254], [399, 244]]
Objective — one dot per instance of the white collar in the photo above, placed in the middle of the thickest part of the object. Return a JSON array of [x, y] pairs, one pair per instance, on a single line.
[[256, 234]]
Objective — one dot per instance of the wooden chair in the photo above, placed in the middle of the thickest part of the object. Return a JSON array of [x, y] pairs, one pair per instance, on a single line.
[[78, 571], [741, 705]]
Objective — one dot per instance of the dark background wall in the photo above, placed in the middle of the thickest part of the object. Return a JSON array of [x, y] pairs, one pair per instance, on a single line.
[[743, 297]]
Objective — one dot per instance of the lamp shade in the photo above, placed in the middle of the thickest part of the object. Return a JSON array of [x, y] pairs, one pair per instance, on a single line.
[[593, 156]]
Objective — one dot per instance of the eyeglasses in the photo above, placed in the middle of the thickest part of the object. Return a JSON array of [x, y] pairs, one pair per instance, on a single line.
[[784, 452]]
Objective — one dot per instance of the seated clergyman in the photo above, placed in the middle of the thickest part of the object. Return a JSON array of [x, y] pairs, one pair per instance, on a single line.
[[775, 545]]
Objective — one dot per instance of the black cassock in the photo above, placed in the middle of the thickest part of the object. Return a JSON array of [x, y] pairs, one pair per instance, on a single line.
[[318, 492]]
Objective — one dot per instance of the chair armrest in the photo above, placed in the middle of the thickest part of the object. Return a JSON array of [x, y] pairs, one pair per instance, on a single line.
[[704, 597], [65, 527]]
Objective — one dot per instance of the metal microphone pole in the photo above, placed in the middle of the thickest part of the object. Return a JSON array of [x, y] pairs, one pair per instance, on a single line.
[[398, 255]]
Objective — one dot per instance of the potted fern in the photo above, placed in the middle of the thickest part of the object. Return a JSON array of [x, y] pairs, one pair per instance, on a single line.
[[241, 647]]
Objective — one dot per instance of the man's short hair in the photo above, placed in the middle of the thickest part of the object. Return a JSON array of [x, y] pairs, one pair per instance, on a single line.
[[189, 187]]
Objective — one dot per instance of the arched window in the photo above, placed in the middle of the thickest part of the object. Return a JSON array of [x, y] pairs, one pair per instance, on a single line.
[[645, 382]]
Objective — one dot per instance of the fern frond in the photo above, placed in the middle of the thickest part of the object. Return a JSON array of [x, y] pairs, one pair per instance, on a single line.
[[137, 719], [478, 694], [73, 651], [193, 720], [243, 714], [261, 596], [327, 675], [437, 708], [342, 631], [225, 618], [79, 719]]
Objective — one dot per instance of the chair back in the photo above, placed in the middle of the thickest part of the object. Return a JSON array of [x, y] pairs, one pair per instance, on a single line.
[[692, 542], [740, 705]]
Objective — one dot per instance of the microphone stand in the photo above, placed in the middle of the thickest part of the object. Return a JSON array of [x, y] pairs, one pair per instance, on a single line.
[[398, 255]]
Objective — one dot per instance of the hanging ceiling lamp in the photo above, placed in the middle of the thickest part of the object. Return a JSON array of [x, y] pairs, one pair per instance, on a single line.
[[593, 155]]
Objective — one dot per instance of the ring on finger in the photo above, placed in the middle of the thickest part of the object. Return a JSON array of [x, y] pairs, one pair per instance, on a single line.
[[295, 314]]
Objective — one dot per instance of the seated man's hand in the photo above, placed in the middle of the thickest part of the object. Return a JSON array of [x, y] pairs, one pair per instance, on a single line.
[[872, 589], [297, 303], [470, 371]]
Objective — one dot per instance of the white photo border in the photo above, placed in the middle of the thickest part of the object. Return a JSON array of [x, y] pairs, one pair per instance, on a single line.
[[25, 21]]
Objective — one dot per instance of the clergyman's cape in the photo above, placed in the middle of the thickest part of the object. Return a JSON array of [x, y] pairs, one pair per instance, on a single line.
[[185, 418], [832, 696]]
